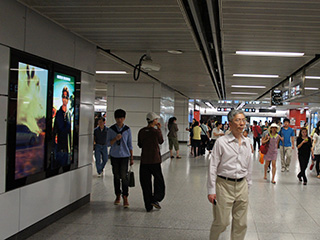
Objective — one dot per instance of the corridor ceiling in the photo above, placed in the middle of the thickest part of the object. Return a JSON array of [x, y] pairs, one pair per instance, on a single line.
[[207, 32]]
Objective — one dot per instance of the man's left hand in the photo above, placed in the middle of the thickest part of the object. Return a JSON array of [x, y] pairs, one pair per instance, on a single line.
[[131, 161]]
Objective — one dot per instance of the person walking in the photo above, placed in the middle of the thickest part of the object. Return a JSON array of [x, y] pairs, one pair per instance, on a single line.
[[100, 147], [217, 132], [256, 129], [271, 156], [120, 139], [316, 148], [287, 145], [204, 137], [196, 139], [149, 139], [229, 176], [304, 146], [173, 137]]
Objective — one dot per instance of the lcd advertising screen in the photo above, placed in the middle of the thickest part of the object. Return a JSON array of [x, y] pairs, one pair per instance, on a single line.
[[30, 120], [63, 120]]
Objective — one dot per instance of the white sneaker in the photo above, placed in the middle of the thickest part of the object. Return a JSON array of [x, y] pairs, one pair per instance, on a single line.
[[283, 169], [287, 169], [100, 175]]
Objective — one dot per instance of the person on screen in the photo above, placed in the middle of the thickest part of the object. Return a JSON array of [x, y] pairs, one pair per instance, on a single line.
[[62, 130]]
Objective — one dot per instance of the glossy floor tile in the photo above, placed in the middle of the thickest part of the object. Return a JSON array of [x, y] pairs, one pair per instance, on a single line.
[[287, 210]]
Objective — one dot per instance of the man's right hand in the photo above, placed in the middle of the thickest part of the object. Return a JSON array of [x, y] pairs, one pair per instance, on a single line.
[[118, 137], [212, 197]]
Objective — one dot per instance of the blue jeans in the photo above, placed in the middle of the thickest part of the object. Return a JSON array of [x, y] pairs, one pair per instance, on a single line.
[[101, 150], [120, 172]]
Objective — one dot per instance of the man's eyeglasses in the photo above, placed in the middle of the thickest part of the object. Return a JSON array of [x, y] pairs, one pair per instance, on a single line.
[[238, 120], [66, 97]]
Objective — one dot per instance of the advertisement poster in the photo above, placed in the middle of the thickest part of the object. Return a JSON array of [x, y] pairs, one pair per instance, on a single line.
[[63, 119], [31, 120]]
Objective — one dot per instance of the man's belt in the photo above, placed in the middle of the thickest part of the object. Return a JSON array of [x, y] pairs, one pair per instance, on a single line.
[[231, 179]]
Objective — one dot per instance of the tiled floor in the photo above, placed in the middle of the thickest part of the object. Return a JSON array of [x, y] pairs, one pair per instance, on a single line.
[[285, 211]]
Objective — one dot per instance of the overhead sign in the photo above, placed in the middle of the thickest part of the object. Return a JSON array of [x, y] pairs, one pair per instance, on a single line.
[[276, 97]]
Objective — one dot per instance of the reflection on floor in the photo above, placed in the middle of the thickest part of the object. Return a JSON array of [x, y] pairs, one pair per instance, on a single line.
[[287, 210]]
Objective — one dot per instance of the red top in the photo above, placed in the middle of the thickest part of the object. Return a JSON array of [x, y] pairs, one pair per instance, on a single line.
[[256, 130]]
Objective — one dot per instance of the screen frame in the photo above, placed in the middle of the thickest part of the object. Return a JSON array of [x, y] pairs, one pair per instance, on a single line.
[[16, 57]]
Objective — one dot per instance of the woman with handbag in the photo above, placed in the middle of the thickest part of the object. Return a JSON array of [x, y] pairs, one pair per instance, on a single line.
[[272, 139]]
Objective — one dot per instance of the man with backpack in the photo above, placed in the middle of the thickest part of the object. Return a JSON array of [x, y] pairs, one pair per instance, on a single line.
[[120, 139], [256, 129]]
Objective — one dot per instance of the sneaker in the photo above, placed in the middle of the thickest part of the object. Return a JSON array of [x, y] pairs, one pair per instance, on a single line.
[[283, 169], [156, 205], [318, 176], [100, 175], [125, 202], [287, 169], [117, 201], [178, 157], [311, 166], [171, 156]]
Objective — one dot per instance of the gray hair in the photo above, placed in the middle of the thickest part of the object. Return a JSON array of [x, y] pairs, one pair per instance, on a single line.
[[234, 112]]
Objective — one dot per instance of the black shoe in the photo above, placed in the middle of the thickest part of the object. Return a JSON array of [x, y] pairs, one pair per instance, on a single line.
[[156, 205], [300, 180], [305, 183]]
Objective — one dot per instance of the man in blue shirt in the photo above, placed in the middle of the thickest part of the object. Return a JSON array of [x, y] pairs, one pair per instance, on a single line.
[[100, 147], [120, 139], [287, 145]]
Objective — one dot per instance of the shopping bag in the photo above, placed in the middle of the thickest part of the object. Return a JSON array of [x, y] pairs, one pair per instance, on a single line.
[[264, 148], [261, 160], [131, 177]]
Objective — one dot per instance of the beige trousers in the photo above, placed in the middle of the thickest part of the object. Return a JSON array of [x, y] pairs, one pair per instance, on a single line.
[[232, 197], [285, 153]]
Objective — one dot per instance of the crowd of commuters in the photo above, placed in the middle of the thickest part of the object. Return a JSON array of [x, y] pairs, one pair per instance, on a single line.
[[230, 160]]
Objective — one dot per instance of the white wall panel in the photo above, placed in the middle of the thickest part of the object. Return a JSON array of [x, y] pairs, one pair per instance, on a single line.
[[85, 55], [86, 119], [88, 85], [85, 150], [133, 104], [2, 169], [136, 119], [3, 119], [12, 32], [136, 149], [46, 39], [4, 68], [110, 103], [43, 198], [80, 182], [134, 90], [9, 213]]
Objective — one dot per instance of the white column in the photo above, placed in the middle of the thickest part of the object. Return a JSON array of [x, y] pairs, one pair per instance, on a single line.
[[181, 108]]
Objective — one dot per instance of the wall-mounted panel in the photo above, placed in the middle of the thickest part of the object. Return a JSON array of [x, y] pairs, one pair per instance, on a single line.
[[133, 104], [133, 90], [2, 169], [82, 177], [4, 69], [9, 213], [85, 55], [42, 199], [88, 85], [85, 150], [12, 32], [46, 39], [86, 119]]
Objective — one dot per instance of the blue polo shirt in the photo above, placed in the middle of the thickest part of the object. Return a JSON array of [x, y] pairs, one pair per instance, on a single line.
[[122, 150], [286, 134]]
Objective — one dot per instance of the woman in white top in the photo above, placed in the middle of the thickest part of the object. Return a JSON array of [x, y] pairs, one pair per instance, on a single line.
[[316, 148], [217, 132]]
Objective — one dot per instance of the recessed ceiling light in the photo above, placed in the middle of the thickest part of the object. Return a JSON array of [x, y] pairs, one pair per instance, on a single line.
[[271, 54], [311, 88], [244, 93], [255, 75], [175, 51], [247, 86], [312, 77], [111, 72]]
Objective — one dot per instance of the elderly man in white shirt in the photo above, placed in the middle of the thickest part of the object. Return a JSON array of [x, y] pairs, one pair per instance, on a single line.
[[229, 178]]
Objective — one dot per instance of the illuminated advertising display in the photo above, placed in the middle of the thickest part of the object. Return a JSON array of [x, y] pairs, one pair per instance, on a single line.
[[63, 119], [31, 120]]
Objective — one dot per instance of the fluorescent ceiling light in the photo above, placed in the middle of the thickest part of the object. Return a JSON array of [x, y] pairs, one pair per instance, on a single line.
[[244, 93], [208, 104], [101, 89], [255, 75], [111, 72], [175, 51], [245, 86], [312, 77], [271, 54], [311, 88]]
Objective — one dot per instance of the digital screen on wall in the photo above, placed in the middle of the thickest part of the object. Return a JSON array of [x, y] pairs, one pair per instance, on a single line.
[[63, 119], [31, 119]]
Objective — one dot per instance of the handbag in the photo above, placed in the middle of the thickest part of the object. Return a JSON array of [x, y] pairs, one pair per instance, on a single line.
[[264, 148], [131, 177]]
